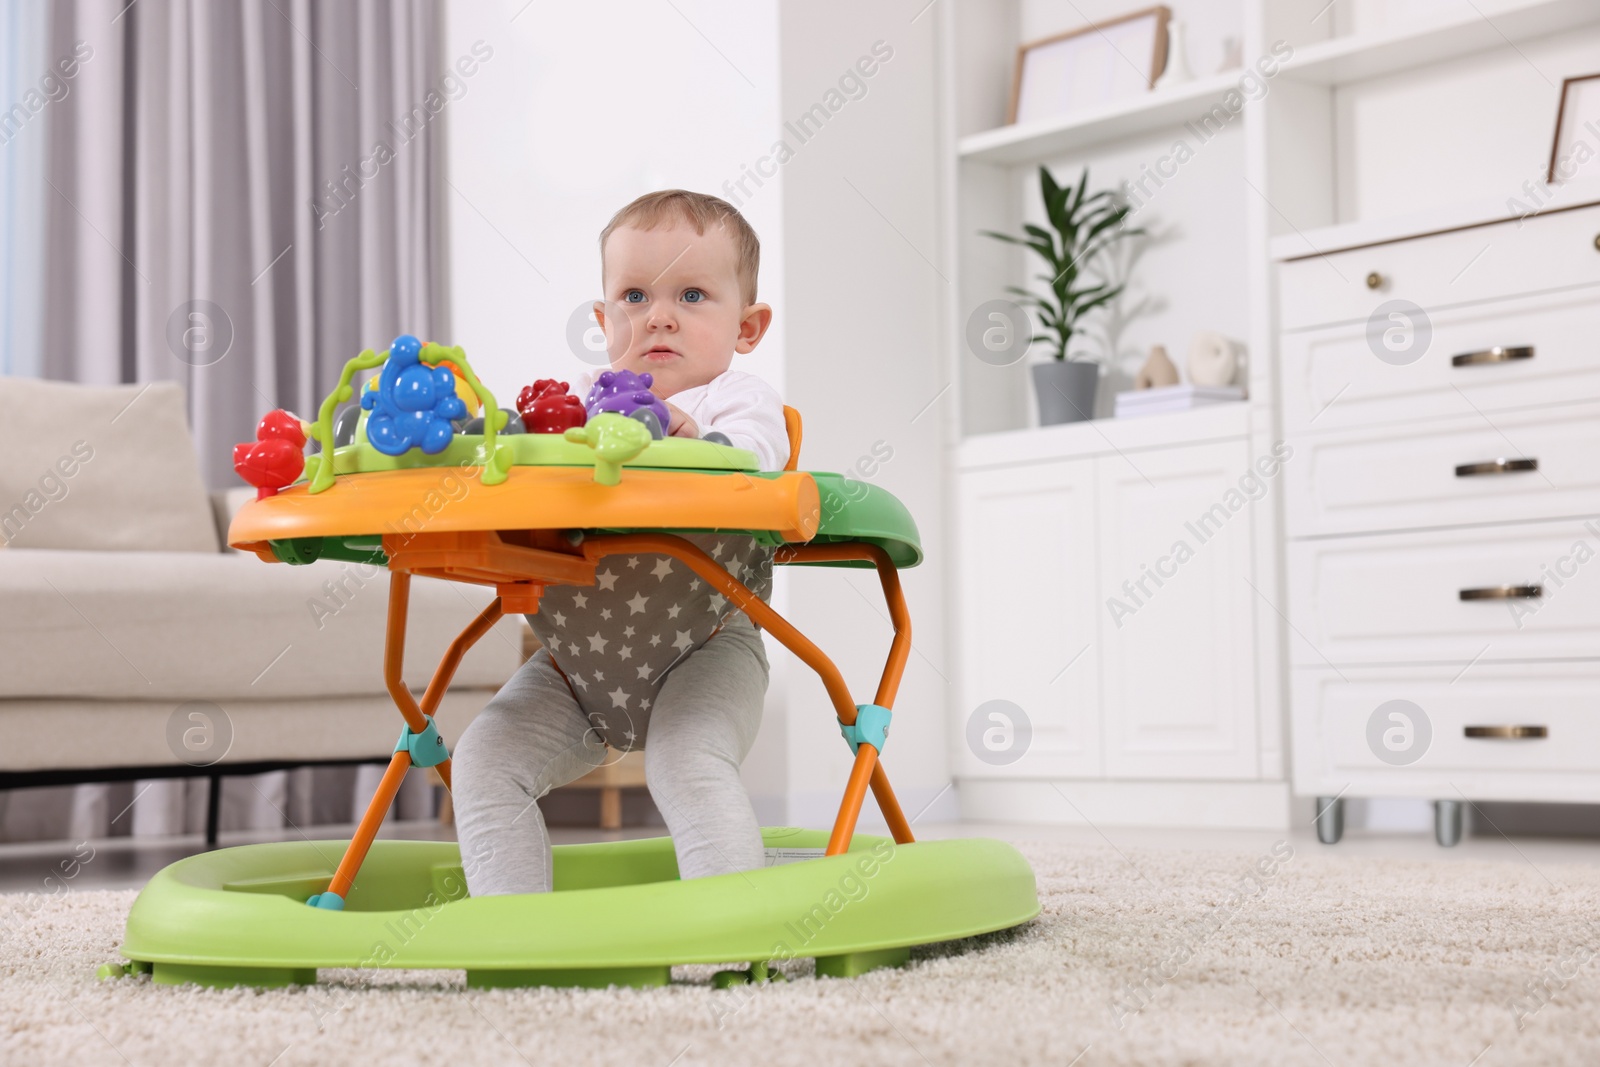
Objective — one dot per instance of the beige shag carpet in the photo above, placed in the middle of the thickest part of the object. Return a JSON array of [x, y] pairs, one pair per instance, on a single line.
[[1139, 957]]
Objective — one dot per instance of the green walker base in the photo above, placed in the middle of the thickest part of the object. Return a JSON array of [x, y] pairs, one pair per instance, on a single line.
[[619, 915], [852, 964], [582, 978], [226, 977]]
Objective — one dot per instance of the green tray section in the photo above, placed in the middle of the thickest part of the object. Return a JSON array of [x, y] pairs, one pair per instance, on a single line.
[[859, 511], [618, 915], [543, 450]]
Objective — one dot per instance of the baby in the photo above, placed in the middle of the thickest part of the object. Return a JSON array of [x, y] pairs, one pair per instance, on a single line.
[[648, 657]]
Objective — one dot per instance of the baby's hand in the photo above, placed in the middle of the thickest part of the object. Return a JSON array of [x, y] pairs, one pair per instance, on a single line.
[[680, 425]]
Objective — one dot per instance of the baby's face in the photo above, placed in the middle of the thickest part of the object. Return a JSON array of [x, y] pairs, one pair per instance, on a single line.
[[673, 307]]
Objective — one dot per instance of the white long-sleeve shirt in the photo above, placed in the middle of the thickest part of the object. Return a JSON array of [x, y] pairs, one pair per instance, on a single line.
[[746, 409]]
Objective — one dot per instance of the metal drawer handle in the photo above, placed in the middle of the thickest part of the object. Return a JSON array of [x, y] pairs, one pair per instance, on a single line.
[[1503, 592], [1507, 733], [1497, 354], [1496, 466]]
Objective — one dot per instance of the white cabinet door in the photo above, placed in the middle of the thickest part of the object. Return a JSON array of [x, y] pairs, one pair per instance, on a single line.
[[1027, 617], [1175, 611]]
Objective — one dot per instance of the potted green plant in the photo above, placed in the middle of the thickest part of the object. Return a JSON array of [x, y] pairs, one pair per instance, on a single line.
[[1082, 226]]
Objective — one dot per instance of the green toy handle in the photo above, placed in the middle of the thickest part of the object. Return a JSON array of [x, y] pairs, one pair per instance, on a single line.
[[615, 439], [497, 457]]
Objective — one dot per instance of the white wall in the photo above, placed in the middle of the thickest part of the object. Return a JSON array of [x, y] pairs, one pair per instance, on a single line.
[[864, 311], [580, 109]]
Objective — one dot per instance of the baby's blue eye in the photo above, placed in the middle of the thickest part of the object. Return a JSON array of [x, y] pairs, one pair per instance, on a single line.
[[693, 296], [633, 296]]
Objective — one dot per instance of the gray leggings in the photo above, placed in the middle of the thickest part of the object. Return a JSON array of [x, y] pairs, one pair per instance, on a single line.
[[534, 736]]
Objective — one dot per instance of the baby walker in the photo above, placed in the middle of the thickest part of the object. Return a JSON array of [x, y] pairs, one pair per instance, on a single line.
[[548, 501]]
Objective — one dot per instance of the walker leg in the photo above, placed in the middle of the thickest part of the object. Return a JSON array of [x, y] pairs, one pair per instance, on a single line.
[[361, 843], [855, 791], [394, 650], [482, 624], [844, 826], [889, 804]]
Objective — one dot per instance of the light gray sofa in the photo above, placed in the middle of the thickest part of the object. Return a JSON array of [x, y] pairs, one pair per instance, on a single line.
[[134, 645]]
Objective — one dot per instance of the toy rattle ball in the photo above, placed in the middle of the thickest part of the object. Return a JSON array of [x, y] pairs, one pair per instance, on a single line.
[[463, 389], [626, 393], [547, 407], [414, 403], [276, 457]]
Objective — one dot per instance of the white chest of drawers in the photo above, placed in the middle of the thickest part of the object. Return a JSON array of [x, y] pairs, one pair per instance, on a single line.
[[1441, 394]]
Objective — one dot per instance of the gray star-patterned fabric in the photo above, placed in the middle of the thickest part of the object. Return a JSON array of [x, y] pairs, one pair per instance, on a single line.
[[617, 640]]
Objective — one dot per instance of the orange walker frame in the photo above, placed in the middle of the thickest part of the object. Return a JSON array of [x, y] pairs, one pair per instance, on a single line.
[[520, 573]]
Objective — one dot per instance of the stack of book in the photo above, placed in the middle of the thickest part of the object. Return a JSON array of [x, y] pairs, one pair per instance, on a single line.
[[1183, 397]]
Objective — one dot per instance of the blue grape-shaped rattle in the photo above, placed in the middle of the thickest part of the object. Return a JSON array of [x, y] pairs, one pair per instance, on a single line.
[[413, 403]]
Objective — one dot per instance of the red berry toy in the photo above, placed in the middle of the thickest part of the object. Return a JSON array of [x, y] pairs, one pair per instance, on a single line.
[[276, 457], [547, 407]]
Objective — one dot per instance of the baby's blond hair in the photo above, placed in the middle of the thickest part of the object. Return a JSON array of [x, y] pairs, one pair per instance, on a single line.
[[700, 211]]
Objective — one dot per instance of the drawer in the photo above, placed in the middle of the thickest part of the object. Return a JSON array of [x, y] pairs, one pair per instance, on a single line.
[[1406, 476], [1332, 379], [1337, 746], [1396, 598], [1483, 263]]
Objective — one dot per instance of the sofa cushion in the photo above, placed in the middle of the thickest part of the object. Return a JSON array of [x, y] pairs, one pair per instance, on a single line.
[[100, 467], [225, 504], [217, 626], [62, 734]]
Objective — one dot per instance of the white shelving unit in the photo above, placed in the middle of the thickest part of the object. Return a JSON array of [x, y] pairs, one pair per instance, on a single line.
[[1320, 155], [1359, 56], [1036, 141]]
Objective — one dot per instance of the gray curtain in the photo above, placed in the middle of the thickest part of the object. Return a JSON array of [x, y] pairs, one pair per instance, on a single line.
[[238, 195], [242, 194]]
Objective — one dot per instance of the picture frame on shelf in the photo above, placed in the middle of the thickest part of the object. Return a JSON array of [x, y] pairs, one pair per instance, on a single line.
[[1575, 150], [1080, 68]]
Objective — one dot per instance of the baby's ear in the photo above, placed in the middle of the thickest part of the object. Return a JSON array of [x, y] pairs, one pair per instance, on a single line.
[[752, 327]]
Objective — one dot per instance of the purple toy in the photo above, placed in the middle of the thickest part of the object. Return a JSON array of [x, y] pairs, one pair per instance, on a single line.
[[627, 393]]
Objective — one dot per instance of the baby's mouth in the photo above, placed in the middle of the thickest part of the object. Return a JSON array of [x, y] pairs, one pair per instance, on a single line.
[[660, 354]]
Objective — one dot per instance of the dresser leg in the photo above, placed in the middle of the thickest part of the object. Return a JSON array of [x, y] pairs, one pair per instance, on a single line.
[[1447, 822], [1330, 819]]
